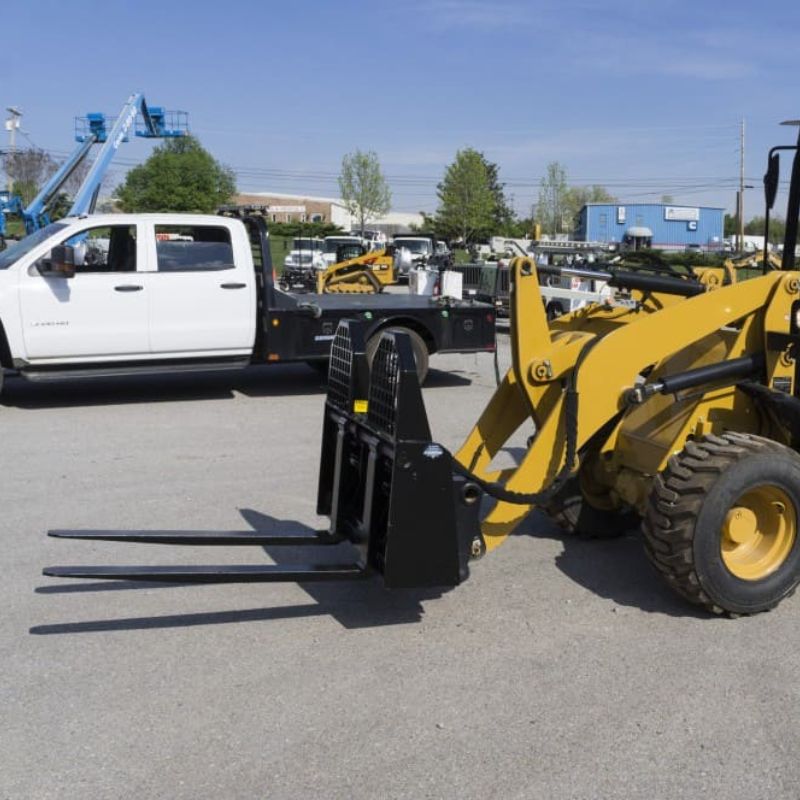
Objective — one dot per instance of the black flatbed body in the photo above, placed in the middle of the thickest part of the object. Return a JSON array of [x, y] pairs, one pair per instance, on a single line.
[[300, 326]]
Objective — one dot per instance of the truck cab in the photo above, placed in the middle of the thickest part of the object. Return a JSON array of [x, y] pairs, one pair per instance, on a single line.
[[306, 253], [334, 244], [122, 288]]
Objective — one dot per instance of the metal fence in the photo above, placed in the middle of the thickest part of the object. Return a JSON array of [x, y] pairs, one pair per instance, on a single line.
[[471, 275], [487, 282]]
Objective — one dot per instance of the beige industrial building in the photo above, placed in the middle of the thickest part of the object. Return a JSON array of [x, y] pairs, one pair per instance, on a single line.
[[307, 208]]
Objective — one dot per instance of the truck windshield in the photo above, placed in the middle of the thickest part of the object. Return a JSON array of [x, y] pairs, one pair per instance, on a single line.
[[306, 244], [417, 246], [331, 245], [17, 250]]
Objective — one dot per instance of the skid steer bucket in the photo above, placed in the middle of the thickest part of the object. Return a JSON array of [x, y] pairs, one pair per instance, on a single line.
[[388, 489]]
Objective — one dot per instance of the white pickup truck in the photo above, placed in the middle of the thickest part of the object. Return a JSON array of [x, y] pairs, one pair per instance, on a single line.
[[115, 294]]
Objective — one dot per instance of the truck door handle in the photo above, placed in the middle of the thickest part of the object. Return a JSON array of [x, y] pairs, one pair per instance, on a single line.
[[128, 287], [233, 285]]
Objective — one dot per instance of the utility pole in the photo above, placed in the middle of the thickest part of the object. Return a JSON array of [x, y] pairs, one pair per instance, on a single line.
[[740, 193], [12, 126]]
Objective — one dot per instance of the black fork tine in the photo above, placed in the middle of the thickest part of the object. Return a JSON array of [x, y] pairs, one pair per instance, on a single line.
[[200, 537], [240, 573]]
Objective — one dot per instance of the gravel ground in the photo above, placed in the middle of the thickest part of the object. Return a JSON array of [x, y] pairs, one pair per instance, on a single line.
[[561, 669]]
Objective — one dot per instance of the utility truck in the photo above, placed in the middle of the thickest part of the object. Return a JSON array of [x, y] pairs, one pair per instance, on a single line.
[[115, 294]]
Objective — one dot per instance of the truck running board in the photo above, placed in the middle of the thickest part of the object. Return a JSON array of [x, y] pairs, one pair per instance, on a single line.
[[389, 491]]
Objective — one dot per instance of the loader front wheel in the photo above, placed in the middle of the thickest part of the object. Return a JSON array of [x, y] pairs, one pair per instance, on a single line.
[[574, 514], [722, 523]]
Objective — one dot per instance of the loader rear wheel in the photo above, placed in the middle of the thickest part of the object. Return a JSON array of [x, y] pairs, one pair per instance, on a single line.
[[417, 345], [722, 523], [574, 514]]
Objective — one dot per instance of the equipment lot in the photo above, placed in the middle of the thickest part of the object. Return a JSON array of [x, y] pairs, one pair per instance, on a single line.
[[563, 669]]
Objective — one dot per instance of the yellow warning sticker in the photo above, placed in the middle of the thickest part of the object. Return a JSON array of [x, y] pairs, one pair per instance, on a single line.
[[360, 406]]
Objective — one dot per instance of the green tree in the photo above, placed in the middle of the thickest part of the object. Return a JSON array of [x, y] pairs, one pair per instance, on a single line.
[[29, 169], [578, 196], [467, 198], [363, 187], [503, 217], [551, 210], [180, 175], [777, 228]]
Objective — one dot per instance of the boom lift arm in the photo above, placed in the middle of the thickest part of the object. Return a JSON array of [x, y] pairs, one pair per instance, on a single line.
[[153, 125], [93, 129]]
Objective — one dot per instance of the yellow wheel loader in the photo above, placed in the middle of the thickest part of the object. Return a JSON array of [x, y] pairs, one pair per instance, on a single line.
[[674, 404]]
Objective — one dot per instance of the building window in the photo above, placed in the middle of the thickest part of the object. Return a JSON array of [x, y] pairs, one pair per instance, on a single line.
[[274, 217], [318, 218], [303, 218]]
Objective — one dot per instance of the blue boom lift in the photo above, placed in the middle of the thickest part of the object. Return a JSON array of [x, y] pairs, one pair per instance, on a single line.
[[149, 122]]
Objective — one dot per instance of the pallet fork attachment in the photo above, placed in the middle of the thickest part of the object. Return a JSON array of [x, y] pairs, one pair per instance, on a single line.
[[378, 470]]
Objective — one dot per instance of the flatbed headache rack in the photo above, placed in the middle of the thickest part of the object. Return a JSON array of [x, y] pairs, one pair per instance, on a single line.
[[378, 467]]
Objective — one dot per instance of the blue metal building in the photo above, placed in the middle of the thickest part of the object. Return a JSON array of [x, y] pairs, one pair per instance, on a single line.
[[656, 225]]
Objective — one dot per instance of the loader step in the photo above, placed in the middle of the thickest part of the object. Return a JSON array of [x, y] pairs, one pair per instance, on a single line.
[[239, 573], [200, 537]]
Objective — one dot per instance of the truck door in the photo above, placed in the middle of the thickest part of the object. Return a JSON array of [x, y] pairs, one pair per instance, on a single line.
[[201, 296], [100, 313]]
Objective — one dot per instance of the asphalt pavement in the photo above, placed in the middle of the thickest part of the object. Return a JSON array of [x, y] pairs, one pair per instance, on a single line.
[[562, 669]]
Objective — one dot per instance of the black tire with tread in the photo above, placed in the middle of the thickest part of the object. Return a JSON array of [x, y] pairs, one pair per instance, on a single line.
[[570, 511], [319, 365], [417, 344], [688, 502]]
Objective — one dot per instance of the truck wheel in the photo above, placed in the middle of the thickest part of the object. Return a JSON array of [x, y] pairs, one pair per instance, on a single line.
[[319, 365], [573, 514], [417, 344], [721, 525], [554, 310]]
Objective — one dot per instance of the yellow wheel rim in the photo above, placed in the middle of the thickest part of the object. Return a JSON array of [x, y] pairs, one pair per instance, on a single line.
[[758, 533]]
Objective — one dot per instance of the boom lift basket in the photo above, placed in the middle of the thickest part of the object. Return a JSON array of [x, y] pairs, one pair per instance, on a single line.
[[387, 488]]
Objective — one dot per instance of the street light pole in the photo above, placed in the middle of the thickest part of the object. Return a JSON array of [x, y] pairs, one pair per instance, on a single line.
[[740, 195], [12, 126]]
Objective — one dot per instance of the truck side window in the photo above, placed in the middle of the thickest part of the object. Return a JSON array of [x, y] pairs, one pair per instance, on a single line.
[[111, 248], [193, 248]]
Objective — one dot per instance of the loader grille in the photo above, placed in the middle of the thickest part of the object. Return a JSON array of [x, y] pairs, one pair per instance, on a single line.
[[340, 369], [383, 386]]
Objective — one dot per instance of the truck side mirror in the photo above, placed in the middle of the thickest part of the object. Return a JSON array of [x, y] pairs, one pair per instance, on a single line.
[[771, 180], [62, 261]]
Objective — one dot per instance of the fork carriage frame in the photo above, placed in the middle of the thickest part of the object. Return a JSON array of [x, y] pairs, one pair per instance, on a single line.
[[388, 489]]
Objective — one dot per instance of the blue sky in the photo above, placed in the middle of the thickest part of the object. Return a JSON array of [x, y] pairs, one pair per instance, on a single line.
[[644, 97]]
